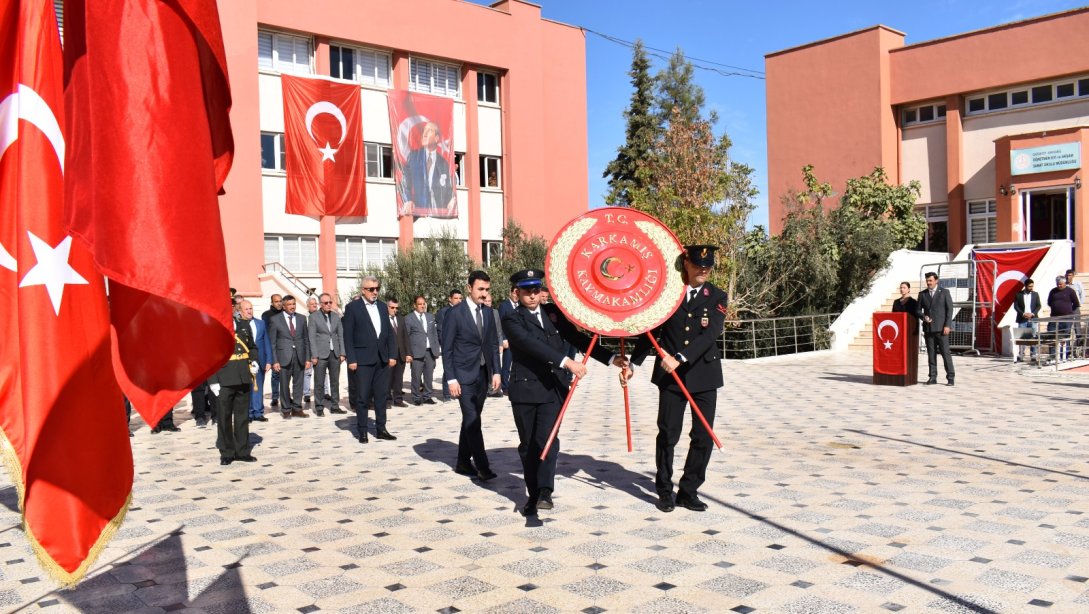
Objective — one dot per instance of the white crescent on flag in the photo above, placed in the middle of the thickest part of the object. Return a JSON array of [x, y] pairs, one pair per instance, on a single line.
[[896, 332], [327, 108], [1007, 276]]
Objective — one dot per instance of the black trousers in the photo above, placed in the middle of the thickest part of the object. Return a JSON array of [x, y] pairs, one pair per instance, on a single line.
[[397, 382], [534, 422], [471, 438], [937, 342], [204, 402], [371, 380], [291, 385], [671, 406], [233, 413]]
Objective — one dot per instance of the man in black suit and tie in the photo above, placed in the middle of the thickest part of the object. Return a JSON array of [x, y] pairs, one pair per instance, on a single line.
[[690, 340], [538, 335], [397, 374], [291, 353], [470, 361], [936, 314], [423, 349], [372, 352], [1027, 305]]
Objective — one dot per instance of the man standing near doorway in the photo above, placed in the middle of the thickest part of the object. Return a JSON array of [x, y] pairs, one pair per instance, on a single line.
[[936, 315]]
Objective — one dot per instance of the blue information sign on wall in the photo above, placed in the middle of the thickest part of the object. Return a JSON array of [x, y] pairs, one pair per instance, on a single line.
[[1060, 157]]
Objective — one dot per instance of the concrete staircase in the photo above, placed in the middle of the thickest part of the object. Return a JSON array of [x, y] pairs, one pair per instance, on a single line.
[[864, 340]]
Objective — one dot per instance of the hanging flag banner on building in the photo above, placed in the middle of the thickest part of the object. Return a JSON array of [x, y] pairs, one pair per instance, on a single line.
[[145, 160], [323, 139], [1000, 284], [64, 435], [423, 152]]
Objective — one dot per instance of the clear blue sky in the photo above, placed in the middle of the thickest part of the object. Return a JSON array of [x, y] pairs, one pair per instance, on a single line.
[[740, 34]]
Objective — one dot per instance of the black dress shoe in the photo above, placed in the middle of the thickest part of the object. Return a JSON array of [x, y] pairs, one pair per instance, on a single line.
[[665, 502], [337, 410], [544, 499], [530, 508], [171, 428], [384, 434], [932, 380], [306, 399], [430, 401], [949, 382], [363, 437], [400, 404], [274, 402], [156, 431], [319, 412], [486, 474], [286, 415], [260, 418], [225, 461], [465, 470], [247, 459], [691, 502]]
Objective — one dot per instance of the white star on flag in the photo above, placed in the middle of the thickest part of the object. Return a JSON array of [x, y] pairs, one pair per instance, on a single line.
[[52, 270], [328, 152], [888, 345]]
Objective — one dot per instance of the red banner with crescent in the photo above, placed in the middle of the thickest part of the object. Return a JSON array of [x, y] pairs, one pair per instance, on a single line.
[[422, 127], [890, 334], [613, 271], [1001, 283], [323, 134]]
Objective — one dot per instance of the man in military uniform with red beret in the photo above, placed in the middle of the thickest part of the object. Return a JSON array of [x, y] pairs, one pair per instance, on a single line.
[[690, 340]]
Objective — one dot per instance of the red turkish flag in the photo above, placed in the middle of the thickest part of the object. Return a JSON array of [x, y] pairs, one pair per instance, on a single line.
[[149, 147], [323, 134], [1010, 265], [60, 408], [890, 334]]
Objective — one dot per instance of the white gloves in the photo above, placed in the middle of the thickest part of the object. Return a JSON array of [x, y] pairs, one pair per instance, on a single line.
[[254, 367], [215, 388]]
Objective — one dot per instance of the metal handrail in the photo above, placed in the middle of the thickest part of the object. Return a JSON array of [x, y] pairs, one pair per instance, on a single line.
[[1056, 343], [294, 279], [780, 336]]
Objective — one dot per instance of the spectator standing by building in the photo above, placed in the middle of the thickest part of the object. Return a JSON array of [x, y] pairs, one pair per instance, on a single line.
[[276, 307], [327, 346], [1064, 304]]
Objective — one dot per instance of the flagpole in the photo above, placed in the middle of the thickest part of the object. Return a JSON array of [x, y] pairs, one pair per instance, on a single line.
[[570, 393]]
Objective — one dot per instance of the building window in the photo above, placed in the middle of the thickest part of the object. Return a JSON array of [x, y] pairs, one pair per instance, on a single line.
[[982, 221], [489, 172], [356, 254], [379, 160], [283, 52], [459, 167], [434, 78], [487, 87], [936, 238], [296, 253], [493, 252], [364, 66], [1041, 93], [273, 157], [922, 114]]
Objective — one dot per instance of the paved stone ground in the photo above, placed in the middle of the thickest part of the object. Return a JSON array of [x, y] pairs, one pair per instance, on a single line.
[[832, 495]]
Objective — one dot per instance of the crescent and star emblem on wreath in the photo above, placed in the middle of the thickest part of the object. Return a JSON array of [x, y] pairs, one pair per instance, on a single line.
[[895, 332]]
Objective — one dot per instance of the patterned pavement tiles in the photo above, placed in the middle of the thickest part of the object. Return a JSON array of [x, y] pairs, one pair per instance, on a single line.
[[832, 495]]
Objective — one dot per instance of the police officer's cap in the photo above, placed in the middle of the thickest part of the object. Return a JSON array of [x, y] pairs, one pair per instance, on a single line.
[[527, 278], [701, 255]]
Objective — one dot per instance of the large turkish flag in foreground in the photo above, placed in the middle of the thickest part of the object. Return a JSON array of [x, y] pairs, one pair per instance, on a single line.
[[323, 134], [149, 148], [992, 281], [61, 412]]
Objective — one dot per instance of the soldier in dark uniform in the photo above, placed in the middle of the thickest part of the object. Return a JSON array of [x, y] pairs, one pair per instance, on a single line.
[[690, 339], [538, 335], [232, 385]]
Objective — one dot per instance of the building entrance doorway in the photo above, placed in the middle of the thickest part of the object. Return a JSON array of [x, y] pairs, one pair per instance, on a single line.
[[1048, 214]]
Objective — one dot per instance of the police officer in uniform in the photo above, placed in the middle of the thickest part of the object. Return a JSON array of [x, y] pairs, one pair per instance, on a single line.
[[538, 334], [690, 339], [232, 385]]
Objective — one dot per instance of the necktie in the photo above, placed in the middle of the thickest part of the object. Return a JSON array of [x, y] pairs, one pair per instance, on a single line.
[[393, 322], [423, 323], [291, 324], [328, 323], [480, 327], [537, 318], [691, 295]]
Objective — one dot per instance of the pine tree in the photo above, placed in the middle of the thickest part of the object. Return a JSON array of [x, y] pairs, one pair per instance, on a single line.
[[626, 172], [677, 89]]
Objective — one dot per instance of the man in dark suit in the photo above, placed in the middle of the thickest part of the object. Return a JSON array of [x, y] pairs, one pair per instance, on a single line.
[[327, 345], [263, 349], [400, 336], [233, 384], [1027, 305], [291, 356], [452, 300], [276, 308], [423, 349], [506, 307], [470, 362], [428, 182], [690, 339], [372, 352], [936, 315], [538, 335]]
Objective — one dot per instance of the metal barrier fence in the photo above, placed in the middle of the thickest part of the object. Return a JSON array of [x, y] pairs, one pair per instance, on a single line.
[[1054, 341]]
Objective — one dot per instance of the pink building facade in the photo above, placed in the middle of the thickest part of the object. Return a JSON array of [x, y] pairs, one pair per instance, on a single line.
[[992, 123], [520, 134]]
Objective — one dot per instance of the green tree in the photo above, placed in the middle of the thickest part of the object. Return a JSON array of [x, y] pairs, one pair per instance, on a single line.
[[432, 267], [677, 89], [520, 251], [628, 170]]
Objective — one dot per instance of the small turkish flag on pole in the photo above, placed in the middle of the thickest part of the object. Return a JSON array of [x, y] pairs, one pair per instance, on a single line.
[[149, 147], [323, 134], [61, 412]]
